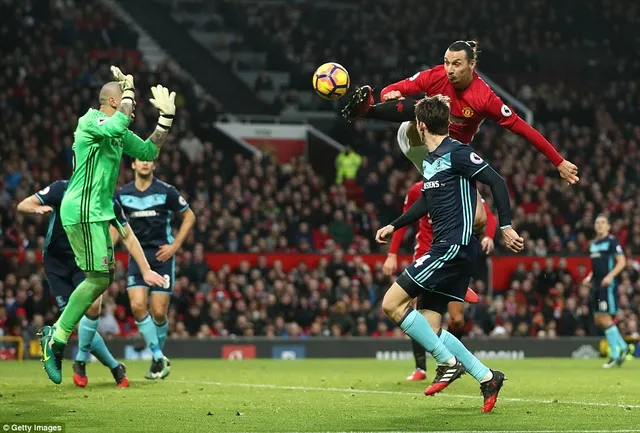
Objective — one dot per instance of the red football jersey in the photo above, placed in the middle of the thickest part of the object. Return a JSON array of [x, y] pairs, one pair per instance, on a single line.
[[471, 106]]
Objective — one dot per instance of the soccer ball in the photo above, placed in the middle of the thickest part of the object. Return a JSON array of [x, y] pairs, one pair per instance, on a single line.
[[331, 81]]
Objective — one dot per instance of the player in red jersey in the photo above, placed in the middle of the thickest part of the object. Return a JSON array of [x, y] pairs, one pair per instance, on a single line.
[[472, 101], [423, 243]]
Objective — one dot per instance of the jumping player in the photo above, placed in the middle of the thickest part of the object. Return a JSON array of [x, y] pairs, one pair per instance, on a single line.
[[87, 207], [64, 275], [149, 204], [450, 173], [472, 101], [423, 243], [607, 261]]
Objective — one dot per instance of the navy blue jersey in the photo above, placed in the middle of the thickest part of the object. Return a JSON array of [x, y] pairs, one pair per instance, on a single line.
[[56, 242], [450, 190], [150, 211], [603, 254]]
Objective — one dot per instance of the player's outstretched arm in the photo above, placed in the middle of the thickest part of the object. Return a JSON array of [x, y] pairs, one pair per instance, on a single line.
[[413, 85], [164, 101], [33, 206]]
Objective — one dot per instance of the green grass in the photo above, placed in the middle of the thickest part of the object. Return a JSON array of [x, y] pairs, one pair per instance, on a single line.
[[323, 395]]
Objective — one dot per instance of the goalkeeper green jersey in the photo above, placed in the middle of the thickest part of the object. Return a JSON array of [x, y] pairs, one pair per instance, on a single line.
[[98, 145]]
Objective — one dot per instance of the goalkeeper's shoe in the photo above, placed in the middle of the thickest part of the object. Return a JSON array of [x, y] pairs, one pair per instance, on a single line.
[[120, 376], [623, 356], [160, 368], [359, 104], [80, 374], [490, 390], [445, 375], [418, 374], [610, 363], [52, 352]]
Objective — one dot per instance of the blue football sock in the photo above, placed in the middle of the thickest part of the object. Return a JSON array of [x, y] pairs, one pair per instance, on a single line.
[[161, 331], [473, 365], [100, 351], [622, 343], [613, 338], [148, 331], [87, 328], [417, 327]]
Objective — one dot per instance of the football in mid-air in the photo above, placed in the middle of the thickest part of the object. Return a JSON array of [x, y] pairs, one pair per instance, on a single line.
[[331, 81]]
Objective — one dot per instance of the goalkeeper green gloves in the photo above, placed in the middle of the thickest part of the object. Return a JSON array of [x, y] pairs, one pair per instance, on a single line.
[[126, 84], [165, 103]]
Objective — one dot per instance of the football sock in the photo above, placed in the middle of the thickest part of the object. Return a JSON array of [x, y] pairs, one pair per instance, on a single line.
[[417, 327], [87, 329], [419, 355], [622, 343], [161, 331], [396, 110], [613, 338], [79, 302], [148, 331], [100, 351], [472, 364]]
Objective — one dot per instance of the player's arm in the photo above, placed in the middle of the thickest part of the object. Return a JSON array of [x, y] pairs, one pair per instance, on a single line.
[[418, 83], [418, 209], [490, 229], [621, 262], [499, 112], [472, 165], [391, 263], [32, 205], [179, 205], [132, 245]]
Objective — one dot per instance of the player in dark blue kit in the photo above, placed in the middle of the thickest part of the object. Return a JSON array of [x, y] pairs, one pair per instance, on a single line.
[[64, 275], [607, 261], [449, 197], [150, 205]]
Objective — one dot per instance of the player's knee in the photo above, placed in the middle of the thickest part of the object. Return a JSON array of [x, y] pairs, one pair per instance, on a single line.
[[138, 307], [158, 318], [389, 305]]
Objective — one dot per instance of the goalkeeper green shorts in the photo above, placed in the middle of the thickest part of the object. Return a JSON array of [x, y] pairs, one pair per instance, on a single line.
[[91, 244]]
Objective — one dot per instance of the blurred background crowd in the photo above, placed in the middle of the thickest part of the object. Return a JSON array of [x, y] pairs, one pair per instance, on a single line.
[[54, 55]]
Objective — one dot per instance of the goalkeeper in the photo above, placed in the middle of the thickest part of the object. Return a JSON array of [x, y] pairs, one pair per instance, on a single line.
[[87, 207]]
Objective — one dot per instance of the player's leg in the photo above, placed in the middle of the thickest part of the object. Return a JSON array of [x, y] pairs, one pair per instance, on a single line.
[[361, 104], [138, 298], [160, 299], [420, 357], [604, 305], [456, 318], [93, 252]]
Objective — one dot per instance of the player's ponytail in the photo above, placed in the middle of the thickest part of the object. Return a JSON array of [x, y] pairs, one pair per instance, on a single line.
[[469, 47]]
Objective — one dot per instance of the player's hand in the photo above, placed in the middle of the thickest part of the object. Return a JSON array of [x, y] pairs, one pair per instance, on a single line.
[[384, 233], [165, 252], [165, 103], [125, 81], [512, 240], [606, 281], [42, 210], [487, 245], [394, 94], [154, 279], [569, 172], [390, 265]]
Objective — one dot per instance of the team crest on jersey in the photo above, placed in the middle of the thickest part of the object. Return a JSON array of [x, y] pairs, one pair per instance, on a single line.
[[105, 261], [467, 112]]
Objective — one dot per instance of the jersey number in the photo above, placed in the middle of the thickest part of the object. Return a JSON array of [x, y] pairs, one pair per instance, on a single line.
[[421, 260]]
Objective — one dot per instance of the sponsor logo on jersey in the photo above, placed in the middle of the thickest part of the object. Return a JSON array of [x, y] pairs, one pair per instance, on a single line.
[[431, 184], [467, 112], [143, 214]]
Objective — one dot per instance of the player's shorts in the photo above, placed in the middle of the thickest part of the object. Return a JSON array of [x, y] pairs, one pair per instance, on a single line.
[[604, 300], [166, 269], [63, 275], [91, 244], [441, 276]]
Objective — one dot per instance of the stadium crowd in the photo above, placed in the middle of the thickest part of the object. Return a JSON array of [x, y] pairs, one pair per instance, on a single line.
[[258, 206]]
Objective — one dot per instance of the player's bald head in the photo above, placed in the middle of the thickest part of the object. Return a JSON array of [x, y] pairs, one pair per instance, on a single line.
[[110, 90]]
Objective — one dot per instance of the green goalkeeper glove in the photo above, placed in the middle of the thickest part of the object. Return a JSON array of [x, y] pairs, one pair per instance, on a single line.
[[125, 82], [165, 103]]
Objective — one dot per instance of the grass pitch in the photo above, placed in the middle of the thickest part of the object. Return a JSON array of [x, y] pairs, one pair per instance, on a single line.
[[540, 395]]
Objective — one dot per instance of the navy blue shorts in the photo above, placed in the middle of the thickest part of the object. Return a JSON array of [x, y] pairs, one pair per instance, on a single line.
[[441, 276], [166, 269], [604, 300], [63, 275]]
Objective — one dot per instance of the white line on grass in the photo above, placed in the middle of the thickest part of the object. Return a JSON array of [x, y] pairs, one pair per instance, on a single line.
[[374, 391]]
